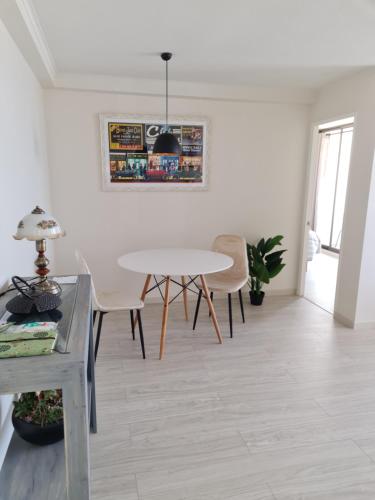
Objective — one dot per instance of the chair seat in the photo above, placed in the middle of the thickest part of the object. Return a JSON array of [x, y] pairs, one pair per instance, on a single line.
[[217, 283], [117, 301]]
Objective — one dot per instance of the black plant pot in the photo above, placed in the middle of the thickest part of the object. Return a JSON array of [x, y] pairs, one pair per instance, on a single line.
[[256, 299], [36, 434]]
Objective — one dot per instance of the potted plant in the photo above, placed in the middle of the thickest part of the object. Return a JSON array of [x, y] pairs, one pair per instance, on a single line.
[[263, 266], [38, 417]]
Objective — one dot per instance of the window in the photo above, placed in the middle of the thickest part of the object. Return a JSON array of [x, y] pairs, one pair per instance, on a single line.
[[333, 171]]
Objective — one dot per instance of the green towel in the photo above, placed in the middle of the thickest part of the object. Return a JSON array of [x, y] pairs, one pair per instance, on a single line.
[[27, 339]]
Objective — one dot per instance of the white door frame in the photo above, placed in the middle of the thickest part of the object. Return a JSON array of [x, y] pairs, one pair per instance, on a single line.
[[309, 192], [310, 187]]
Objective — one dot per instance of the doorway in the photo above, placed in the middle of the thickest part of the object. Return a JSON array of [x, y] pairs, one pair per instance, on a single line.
[[327, 212]]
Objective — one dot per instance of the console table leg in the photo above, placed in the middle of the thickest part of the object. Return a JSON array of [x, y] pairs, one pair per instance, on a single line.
[[76, 432], [91, 379]]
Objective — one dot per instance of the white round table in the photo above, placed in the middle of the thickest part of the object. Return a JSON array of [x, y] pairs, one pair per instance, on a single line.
[[167, 262]]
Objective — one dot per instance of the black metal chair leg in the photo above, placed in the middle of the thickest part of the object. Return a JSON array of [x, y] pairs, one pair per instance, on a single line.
[[99, 331], [132, 323], [141, 333], [230, 314], [197, 309], [241, 305], [94, 318], [212, 298]]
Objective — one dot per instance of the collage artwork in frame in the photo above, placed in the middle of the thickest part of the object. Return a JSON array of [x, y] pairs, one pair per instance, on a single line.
[[128, 161]]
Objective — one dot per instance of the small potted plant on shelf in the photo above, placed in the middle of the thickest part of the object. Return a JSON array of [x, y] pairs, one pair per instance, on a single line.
[[38, 417], [263, 266]]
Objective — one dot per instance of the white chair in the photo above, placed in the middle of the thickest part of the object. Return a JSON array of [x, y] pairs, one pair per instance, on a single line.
[[232, 279], [105, 302]]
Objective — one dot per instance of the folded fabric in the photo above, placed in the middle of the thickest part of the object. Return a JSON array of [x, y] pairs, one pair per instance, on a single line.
[[27, 339]]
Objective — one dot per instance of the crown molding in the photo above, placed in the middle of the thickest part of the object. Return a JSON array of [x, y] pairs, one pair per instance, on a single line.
[[21, 20], [197, 90], [36, 31]]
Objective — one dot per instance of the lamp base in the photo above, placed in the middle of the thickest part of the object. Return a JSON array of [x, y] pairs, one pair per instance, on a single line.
[[49, 286], [44, 285]]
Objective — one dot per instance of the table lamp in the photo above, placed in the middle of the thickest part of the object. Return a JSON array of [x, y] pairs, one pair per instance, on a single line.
[[39, 226]]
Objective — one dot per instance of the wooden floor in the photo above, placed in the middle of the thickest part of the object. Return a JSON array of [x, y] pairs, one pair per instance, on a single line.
[[285, 410], [321, 278]]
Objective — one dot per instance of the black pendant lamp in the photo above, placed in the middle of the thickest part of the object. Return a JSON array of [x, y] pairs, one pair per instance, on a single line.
[[166, 143]]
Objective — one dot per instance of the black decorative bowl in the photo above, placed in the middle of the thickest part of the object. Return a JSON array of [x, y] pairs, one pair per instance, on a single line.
[[36, 434]]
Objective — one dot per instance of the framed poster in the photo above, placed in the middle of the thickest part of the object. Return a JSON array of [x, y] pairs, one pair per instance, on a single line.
[[128, 163]]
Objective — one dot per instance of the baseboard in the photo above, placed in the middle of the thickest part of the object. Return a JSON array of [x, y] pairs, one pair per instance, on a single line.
[[281, 291], [343, 320], [156, 299], [363, 325]]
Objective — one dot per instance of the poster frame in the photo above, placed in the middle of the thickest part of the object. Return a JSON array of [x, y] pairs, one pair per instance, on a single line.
[[108, 185]]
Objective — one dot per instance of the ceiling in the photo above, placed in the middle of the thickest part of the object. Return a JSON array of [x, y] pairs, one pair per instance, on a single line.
[[304, 43]]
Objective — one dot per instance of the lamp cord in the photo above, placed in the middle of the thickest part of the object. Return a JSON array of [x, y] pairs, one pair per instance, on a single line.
[[30, 281], [166, 95]]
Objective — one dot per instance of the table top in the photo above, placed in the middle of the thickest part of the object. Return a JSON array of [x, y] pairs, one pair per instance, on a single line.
[[73, 319], [175, 262]]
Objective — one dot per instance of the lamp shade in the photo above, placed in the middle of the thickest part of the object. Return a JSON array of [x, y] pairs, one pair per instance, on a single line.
[[167, 143], [38, 226]]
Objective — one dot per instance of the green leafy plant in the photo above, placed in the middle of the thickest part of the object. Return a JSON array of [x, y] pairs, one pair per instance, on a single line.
[[41, 408], [263, 263]]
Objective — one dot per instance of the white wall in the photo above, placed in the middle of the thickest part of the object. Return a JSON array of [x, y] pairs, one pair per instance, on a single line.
[[23, 173], [256, 161], [356, 283]]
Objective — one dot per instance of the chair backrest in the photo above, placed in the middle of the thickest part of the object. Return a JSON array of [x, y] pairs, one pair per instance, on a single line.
[[83, 268], [234, 246]]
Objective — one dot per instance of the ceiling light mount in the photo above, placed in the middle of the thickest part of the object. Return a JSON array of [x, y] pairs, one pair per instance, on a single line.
[[166, 56]]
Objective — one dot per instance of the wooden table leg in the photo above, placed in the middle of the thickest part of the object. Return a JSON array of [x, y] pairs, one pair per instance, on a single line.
[[211, 308], [76, 431], [165, 317], [183, 281], [143, 295]]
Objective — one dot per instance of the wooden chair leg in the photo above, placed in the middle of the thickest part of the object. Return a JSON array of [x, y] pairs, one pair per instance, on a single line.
[[99, 331], [197, 309], [241, 305], [132, 322], [230, 314], [184, 293], [211, 308], [212, 298], [141, 333], [94, 318], [165, 317], [143, 294]]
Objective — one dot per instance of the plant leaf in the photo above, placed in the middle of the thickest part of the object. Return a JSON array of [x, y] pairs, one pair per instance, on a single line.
[[272, 242], [275, 270], [274, 256], [260, 246], [261, 272]]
